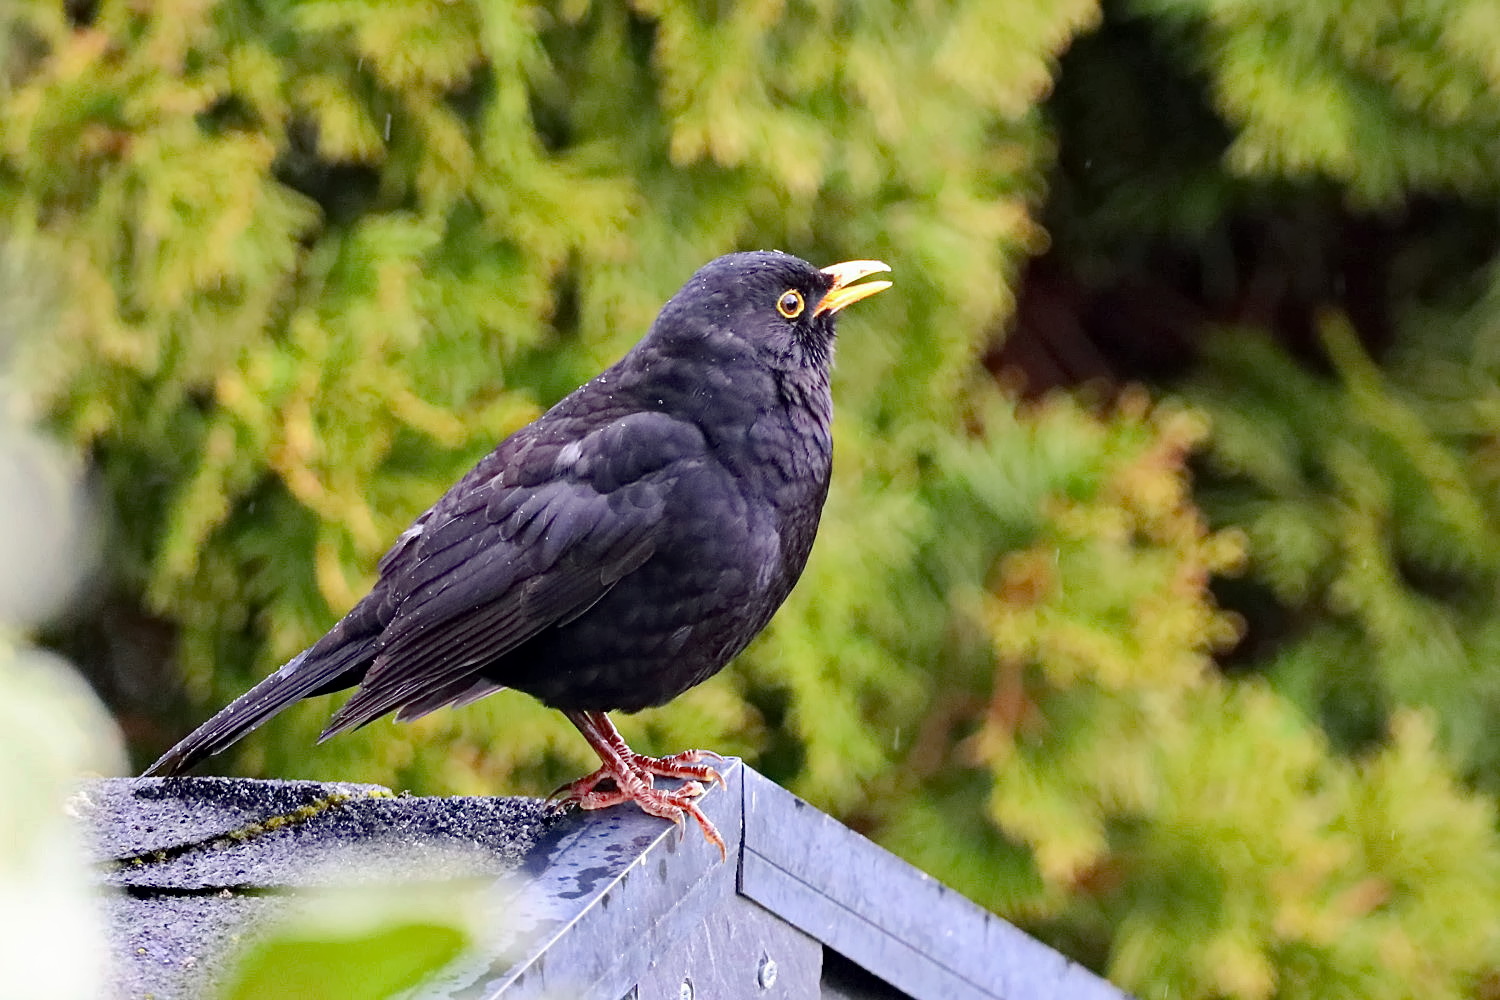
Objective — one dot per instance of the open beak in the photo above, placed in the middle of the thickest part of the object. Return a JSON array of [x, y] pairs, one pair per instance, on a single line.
[[844, 291]]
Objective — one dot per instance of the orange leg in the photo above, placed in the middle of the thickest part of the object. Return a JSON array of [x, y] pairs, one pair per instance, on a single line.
[[633, 777]]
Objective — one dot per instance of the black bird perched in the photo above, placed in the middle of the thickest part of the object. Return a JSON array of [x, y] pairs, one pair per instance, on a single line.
[[615, 552]]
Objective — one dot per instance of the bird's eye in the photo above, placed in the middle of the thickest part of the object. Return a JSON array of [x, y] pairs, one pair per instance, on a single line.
[[790, 304]]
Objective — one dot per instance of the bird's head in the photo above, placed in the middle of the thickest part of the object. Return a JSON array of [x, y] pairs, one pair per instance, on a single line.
[[775, 306]]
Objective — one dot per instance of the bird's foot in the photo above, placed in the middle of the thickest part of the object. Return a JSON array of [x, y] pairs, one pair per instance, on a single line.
[[687, 765], [672, 805], [634, 777], [634, 781]]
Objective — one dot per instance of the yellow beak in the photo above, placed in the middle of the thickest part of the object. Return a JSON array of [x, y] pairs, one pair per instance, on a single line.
[[844, 292]]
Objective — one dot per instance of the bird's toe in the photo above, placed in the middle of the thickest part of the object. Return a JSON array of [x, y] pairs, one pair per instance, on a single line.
[[687, 765]]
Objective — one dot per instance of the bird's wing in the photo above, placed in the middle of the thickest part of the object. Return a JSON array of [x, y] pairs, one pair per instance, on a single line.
[[504, 558]]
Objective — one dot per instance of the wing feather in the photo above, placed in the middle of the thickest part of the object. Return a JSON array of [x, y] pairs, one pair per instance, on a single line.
[[496, 571]]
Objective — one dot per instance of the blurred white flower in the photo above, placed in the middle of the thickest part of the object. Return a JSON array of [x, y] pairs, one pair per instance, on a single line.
[[53, 730]]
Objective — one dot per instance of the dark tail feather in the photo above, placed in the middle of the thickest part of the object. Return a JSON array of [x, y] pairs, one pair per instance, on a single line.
[[299, 678]]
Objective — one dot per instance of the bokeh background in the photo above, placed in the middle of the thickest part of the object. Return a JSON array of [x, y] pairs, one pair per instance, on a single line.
[[1157, 603]]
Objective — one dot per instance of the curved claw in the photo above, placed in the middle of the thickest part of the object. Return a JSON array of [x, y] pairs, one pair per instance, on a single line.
[[710, 832]]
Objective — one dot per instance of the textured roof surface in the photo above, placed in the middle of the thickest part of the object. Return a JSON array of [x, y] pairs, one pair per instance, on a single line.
[[605, 905], [204, 861]]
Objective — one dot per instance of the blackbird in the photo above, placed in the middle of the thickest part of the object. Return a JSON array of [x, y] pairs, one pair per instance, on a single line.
[[615, 552]]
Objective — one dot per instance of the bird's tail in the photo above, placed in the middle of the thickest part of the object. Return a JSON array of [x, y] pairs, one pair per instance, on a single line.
[[310, 672]]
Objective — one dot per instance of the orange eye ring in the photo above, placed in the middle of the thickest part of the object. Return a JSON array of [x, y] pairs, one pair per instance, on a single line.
[[790, 304]]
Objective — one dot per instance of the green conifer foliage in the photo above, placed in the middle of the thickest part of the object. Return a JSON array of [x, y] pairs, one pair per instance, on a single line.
[[1385, 98], [1384, 525], [1263, 835], [320, 256], [1190, 834], [305, 262]]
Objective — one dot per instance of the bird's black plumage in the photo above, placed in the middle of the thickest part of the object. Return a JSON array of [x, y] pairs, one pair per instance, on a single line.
[[621, 548]]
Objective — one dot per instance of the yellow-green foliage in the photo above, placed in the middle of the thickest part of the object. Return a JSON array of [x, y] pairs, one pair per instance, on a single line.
[[1385, 98], [1385, 522], [1110, 607], [1198, 835], [317, 257], [1130, 767], [304, 262]]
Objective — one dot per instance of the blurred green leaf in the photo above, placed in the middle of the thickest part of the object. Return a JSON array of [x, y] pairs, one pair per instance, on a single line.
[[360, 945]]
